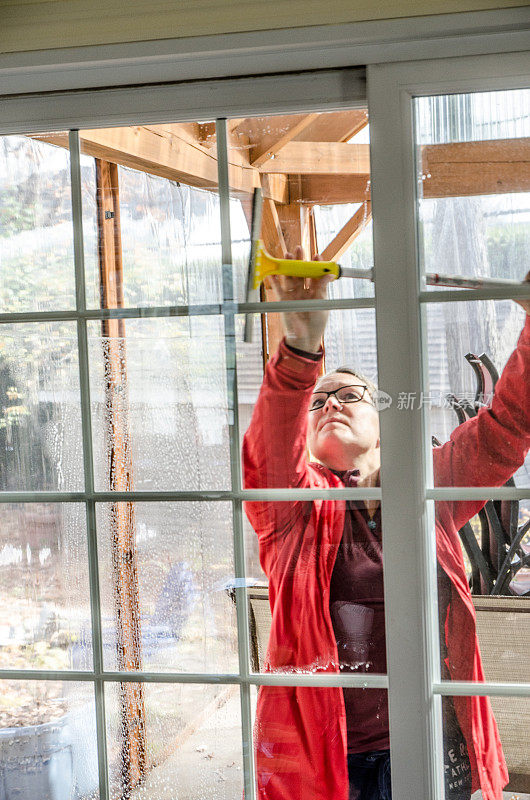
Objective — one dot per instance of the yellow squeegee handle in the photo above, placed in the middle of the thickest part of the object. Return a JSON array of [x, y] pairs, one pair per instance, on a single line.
[[307, 269], [269, 265]]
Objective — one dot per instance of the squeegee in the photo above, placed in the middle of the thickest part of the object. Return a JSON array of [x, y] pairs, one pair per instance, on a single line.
[[261, 265]]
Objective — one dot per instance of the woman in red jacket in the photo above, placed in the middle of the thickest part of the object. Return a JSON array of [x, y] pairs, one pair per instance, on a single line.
[[323, 560]]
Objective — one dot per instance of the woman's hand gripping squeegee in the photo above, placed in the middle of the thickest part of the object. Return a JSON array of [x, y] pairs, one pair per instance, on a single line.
[[262, 265]]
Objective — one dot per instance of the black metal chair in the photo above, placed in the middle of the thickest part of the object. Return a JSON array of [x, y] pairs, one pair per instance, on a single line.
[[500, 554]]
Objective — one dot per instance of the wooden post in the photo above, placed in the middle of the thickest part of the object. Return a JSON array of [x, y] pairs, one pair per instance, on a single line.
[[272, 235], [283, 228], [124, 557]]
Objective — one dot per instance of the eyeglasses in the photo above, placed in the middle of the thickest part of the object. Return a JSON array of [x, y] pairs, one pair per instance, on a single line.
[[345, 394]]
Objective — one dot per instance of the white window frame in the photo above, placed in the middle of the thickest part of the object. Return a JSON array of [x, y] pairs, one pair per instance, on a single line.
[[413, 679], [411, 612]]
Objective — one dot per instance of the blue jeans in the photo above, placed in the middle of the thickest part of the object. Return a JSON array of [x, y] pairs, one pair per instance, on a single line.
[[369, 775]]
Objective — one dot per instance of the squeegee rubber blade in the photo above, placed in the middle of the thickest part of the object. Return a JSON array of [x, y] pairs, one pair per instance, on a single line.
[[255, 230]]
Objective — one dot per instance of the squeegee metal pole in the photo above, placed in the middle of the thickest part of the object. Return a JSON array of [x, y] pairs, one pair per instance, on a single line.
[[438, 279], [351, 272]]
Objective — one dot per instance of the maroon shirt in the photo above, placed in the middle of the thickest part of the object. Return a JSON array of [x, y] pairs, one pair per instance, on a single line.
[[358, 617]]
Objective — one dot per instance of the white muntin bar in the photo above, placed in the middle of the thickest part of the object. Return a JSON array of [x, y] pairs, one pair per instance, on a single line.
[[504, 292], [205, 496], [322, 679], [479, 493], [353, 493], [318, 679], [211, 309], [242, 617], [468, 688], [88, 459]]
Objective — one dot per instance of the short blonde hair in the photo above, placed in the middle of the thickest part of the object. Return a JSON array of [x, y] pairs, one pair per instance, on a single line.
[[370, 385]]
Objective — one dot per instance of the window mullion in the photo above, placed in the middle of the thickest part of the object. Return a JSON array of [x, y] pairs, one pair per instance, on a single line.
[[88, 460], [235, 468], [407, 550]]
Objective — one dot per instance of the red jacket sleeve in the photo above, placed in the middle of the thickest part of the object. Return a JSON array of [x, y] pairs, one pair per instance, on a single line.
[[274, 446], [487, 449]]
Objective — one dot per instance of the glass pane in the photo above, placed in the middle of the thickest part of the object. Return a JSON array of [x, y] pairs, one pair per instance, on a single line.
[[36, 235], [322, 572], [151, 216], [40, 415], [44, 595], [159, 404], [468, 344], [282, 421], [483, 552], [48, 740], [475, 764], [350, 340], [473, 185], [299, 742], [314, 173], [166, 571], [174, 740]]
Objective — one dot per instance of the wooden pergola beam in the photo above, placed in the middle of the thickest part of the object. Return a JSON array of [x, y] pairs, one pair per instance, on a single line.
[[475, 168], [306, 172], [207, 131], [320, 158], [170, 155], [328, 190], [495, 151], [451, 181], [348, 233], [470, 159]]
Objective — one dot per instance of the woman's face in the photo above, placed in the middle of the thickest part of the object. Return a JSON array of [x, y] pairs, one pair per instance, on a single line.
[[340, 433]]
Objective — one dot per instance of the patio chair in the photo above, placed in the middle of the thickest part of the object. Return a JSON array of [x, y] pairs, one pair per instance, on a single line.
[[501, 554]]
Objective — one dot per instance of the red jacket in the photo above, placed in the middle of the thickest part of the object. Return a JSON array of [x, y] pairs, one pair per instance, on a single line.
[[300, 732]]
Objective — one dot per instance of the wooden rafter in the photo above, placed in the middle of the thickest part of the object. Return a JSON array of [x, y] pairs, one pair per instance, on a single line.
[[335, 126], [348, 233], [263, 133], [270, 144]]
